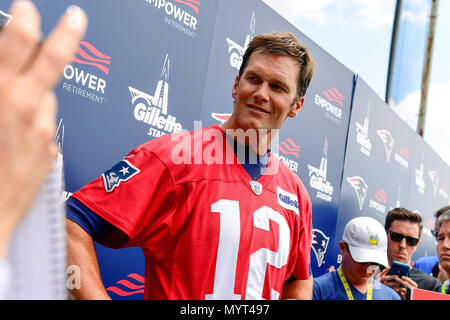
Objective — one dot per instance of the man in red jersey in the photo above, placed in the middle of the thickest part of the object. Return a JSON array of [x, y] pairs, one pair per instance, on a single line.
[[216, 215]]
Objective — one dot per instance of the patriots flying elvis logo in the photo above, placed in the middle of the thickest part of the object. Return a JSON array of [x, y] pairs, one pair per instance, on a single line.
[[360, 187], [388, 142], [319, 244], [122, 171]]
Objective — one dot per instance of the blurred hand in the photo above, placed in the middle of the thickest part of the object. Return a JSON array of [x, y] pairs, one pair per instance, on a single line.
[[29, 69]]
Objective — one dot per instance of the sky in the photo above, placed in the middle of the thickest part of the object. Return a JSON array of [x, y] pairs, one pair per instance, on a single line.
[[358, 34]]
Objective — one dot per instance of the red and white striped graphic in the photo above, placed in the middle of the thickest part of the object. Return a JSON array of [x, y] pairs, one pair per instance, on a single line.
[[334, 95], [88, 54]]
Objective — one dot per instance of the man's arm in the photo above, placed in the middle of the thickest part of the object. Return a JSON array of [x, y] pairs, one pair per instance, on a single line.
[[298, 289], [81, 253]]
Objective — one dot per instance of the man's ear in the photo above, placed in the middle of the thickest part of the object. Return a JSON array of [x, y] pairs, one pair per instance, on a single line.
[[417, 245], [235, 86], [296, 107], [342, 246]]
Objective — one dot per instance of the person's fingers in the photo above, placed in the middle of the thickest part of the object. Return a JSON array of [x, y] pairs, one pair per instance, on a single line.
[[20, 39], [402, 293], [385, 271], [408, 282], [57, 50], [45, 119]]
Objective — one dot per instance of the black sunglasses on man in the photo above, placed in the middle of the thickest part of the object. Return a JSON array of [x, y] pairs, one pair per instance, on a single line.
[[397, 237]]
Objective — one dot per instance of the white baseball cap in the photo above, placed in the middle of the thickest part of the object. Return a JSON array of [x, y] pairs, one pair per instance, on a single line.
[[367, 240]]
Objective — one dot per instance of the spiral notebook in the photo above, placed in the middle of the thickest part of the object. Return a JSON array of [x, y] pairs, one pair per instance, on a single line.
[[37, 252]]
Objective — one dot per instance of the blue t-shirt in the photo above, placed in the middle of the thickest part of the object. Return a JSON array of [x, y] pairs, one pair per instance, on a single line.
[[329, 287], [426, 264]]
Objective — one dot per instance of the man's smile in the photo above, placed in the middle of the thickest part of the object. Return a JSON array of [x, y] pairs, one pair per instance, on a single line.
[[257, 108]]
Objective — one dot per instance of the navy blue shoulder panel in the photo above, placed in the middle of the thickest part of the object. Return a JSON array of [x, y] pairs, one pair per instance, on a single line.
[[92, 223]]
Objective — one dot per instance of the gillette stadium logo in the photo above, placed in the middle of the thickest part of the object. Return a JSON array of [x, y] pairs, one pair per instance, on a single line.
[[362, 137], [420, 181], [318, 177], [179, 14], [288, 152], [318, 181], [236, 50], [331, 101], [153, 110], [434, 177], [85, 76]]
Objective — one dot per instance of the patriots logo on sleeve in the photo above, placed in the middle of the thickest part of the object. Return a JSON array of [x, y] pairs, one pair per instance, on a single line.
[[122, 171]]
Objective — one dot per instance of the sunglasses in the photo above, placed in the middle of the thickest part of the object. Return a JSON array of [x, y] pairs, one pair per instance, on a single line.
[[397, 237]]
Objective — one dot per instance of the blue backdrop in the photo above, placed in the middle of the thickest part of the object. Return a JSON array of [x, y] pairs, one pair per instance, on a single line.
[[146, 60]]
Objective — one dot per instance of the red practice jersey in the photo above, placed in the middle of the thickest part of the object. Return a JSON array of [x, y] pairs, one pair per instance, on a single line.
[[206, 229]]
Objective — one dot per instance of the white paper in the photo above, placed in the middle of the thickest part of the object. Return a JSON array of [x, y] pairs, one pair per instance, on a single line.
[[37, 253]]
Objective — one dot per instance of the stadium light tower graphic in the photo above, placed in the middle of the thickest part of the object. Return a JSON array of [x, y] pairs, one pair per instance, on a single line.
[[236, 50], [161, 96]]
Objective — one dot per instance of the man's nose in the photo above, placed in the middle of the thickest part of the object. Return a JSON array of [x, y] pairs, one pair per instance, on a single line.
[[262, 93], [446, 244], [403, 243]]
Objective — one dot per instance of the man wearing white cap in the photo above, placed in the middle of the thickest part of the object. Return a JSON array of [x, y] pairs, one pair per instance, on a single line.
[[363, 248]]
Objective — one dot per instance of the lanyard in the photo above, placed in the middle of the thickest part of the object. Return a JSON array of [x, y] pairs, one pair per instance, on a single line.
[[445, 286], [348, 291]]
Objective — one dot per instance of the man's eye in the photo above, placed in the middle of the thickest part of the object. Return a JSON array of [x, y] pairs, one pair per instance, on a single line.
[[277, 87]]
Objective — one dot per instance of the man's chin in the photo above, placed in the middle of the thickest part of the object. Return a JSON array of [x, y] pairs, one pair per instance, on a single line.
[[401, 258]]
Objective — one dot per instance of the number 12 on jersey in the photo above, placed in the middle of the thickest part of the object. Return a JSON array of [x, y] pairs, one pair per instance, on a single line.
[[228, 249]]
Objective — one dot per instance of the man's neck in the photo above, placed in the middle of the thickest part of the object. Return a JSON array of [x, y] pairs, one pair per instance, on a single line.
[[360, 284], [257, 139]]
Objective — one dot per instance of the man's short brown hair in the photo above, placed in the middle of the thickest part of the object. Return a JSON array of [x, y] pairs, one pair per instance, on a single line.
[[403, 215], [441, 211], [283, 44]]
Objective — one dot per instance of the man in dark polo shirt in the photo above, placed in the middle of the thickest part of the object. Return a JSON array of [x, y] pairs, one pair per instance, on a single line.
[[404, 229]]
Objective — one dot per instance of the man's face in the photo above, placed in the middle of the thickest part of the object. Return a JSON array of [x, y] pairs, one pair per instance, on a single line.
[[356, 272], [443, 246], [401, 251], [265, 94]]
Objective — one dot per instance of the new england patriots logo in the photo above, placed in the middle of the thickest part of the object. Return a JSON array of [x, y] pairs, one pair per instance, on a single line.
[[388, 142], [319, 245], [360, 187], [122, 171]]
